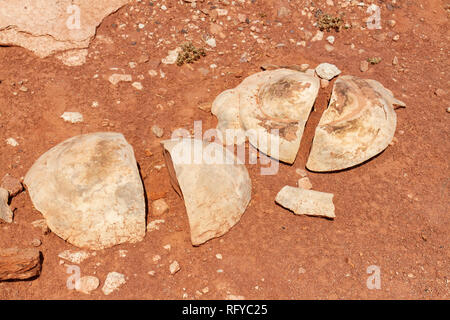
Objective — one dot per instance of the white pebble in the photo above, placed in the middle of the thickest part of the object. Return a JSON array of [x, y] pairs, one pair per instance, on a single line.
[[12, 142], [174, 267]]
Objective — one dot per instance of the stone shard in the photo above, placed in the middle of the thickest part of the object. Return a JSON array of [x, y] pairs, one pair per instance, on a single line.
[[72, 117], [73, 58], [271, 108], [172, 56], [89, 190], [358, 124], [5, 212], [306, 202], [159, 207], [19, 264], [215, 187], [49, 26], [117, 77]]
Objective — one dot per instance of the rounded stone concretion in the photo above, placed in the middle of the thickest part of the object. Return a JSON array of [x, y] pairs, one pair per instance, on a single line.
[[358, 124], [89, 190], [215, 187], [271, 109]]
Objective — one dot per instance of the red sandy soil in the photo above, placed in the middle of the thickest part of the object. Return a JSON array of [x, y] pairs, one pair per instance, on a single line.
[[392, 211]]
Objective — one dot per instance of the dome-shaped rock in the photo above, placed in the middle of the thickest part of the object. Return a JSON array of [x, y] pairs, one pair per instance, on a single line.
[[358, 124], [89, 190]]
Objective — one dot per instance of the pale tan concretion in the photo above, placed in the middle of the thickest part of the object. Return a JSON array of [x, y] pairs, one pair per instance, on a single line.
[[282, 100], [306, 202], [89, 190], [266, 101], [215, 188], [358, 124], [47, 26]]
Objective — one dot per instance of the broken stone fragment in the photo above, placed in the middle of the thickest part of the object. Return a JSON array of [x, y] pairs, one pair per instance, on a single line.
[[113, 282], [196, 168], [157, 131], [89, 190], [159, 207], [358, 124], [5, 212], [274, 108], [306, 202], [87, 284], [172, 56], [74, 256], [72, 117], [13, 185], [304, 183], [49, 26], [271, 108], [19, 264], [73, 58], [117, 77], [42, 225], [327, 71], [174, 267], [154, 225]]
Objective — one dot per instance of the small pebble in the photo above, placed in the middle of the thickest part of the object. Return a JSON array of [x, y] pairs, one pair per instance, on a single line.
[[36, 242], [174, 267], [159, 207]]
